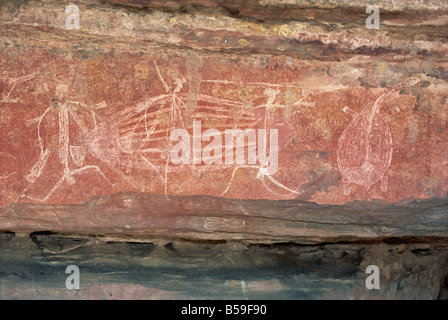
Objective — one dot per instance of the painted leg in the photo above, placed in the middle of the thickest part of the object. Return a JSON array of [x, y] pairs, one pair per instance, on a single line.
[[281, 185], [384, 183], [346, 186], [230, 181], [37, 169], [69, 176], [235, 169]]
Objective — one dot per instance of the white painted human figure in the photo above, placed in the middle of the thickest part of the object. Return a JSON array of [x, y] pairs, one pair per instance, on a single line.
[[67, 153], [137, 137], [263, 173]]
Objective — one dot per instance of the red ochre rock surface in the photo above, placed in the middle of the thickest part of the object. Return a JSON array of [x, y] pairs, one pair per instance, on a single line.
[[116, 106], [88, 113]]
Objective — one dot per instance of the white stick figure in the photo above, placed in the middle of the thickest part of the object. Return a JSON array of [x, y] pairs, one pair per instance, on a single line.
[[67, 153]]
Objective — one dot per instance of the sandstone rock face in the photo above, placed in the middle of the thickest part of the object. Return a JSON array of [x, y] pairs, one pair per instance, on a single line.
[[118, 118], [89, 112], [33, 268]]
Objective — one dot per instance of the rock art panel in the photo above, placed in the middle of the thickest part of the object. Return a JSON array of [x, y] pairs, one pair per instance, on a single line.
[[243, 110], [79, 139], [365, 147]]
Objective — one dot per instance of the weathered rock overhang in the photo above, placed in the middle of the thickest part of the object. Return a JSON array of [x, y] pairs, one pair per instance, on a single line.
[[86, 115]]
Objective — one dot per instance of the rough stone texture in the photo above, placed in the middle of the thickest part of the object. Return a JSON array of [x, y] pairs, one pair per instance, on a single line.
[[34, 268], [207, 218], [86, 116], [129, 76]]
